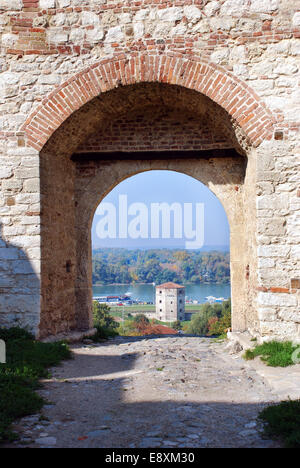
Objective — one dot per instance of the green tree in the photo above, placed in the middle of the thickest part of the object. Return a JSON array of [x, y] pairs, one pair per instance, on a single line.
[[199, 325], [181, 255], [104, 323], [141, 318], [223, 323]]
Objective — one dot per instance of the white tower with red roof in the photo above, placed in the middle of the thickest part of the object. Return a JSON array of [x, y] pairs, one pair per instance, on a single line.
[[170, 302]]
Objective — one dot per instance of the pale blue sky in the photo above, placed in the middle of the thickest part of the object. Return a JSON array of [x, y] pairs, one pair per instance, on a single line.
[[168, 187]]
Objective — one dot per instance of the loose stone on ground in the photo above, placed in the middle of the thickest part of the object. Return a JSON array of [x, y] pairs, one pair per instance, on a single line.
[[179, 392]]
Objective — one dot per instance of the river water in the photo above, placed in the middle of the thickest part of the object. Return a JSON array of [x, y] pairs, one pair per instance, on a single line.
[[146, 292]]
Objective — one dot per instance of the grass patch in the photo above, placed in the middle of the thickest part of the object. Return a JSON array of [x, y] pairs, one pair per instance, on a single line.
[[275, 354], [283, 421], [27, 361]]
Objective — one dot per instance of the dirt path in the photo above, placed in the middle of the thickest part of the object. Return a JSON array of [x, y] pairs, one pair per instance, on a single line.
[[163, 392]]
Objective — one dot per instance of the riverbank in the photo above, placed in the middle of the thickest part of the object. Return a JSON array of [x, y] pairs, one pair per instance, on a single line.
[[136, 308], [146, 292]]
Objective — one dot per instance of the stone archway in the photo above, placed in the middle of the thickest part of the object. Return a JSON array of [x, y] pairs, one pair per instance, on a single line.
[[61, 68], [222, 87], [74, 179]]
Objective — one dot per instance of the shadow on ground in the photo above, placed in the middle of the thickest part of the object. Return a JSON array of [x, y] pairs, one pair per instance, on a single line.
[[110, 401]]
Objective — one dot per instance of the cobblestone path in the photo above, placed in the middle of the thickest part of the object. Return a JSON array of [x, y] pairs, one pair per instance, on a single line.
[[156, 392]]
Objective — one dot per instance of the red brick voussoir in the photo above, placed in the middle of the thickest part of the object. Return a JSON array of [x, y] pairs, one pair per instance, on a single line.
[[237, 98]]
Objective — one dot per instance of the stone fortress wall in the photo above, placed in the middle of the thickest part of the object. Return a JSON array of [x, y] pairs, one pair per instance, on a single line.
[[84, 76]]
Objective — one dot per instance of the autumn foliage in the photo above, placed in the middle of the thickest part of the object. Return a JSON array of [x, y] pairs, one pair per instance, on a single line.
[[142, 326]]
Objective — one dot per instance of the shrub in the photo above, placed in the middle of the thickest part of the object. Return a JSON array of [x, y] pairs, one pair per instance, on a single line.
[[104, 323], [199, 323], [141, 318], [212, 319], [283, 421], [127, 328], [219, 326]]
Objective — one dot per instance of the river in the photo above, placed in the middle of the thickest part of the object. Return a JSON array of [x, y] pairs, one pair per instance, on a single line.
[[146, 292]]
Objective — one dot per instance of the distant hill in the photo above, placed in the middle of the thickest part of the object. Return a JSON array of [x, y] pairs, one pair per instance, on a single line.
[[116, 266], [170, 245]]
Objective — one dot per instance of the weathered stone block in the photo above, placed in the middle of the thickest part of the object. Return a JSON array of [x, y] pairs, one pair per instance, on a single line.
[[267, 314], [279, 329], [170, 14], [212, 8], [30, 220], [32, 185], [57, 36], [296, 19], [114, 34], [12, 185], [9, 40], [266, 263], [11, 4], [273, 299], [192, 13], [47, 4], [289, 316], [264, 6], [295, 252], [95, 35], [13, 230], [234, 8], [89, 18], [273, 250], [5, 172], [27, 173]]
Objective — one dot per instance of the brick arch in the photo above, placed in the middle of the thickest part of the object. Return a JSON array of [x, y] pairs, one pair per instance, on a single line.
[[233, 95]]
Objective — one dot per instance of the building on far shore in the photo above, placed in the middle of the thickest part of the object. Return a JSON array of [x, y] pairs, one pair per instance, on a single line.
[[170, 302]]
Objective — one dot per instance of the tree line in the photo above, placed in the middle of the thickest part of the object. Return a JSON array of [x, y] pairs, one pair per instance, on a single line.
[[122, 266]]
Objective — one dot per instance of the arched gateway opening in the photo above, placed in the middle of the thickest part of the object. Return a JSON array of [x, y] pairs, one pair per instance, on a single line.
[[110, 136], [155, 228]]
